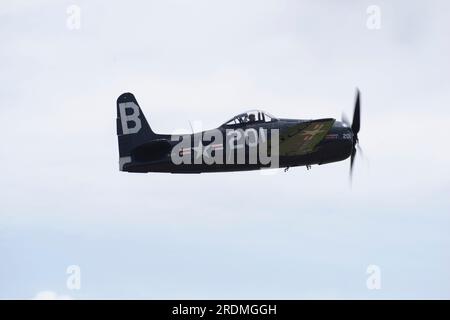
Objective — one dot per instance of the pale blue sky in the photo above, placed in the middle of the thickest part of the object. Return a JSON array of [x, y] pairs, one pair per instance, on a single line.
[[300, 234]]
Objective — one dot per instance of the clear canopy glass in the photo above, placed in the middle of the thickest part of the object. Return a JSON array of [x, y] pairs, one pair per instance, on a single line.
[[252, 116]]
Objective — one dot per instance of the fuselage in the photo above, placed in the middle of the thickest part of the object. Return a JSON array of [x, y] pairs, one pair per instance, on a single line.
[[335, 146]]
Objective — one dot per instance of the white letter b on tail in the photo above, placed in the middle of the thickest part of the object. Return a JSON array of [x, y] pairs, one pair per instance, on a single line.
[[133, 117]]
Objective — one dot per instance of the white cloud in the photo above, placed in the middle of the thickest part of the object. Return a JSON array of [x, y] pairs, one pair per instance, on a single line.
[[50, 295]]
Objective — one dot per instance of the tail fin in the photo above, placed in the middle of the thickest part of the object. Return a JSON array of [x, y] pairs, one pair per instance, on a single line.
[[133, 129]]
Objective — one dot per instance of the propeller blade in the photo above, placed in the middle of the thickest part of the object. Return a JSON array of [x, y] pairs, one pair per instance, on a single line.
[[352, 160], [356, 115], [345, 120], [360, 151]]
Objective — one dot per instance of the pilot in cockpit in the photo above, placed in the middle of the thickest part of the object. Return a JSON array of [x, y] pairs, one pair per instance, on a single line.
[[251, 118]]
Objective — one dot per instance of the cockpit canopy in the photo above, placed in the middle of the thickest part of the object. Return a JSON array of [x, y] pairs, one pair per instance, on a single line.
[[252, 116]]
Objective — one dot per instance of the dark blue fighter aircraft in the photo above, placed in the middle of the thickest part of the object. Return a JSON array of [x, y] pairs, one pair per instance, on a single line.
[[249, 141]]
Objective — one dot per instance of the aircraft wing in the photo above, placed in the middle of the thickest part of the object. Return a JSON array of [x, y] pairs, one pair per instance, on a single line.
[[302, 138]]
